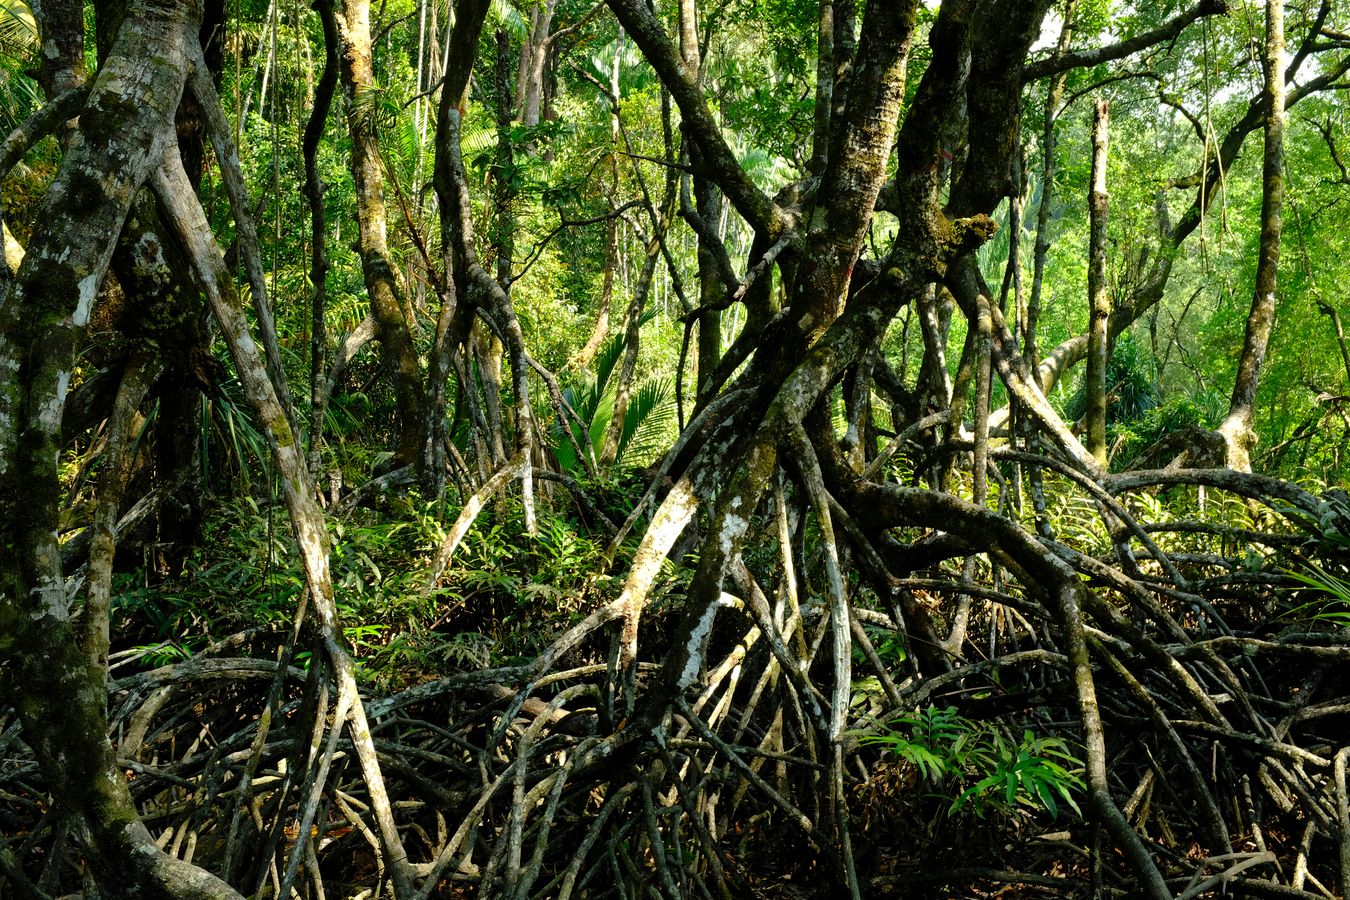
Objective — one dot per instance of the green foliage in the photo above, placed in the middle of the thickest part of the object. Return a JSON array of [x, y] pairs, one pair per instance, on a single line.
[[1332, 607], [976, 765], [19, 94], [1131, 386], [648, 416], [1175, 413]]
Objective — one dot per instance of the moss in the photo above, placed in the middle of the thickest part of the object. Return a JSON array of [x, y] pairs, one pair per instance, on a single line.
[[963, 235]]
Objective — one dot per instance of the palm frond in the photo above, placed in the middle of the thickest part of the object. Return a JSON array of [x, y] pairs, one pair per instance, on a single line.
[[648, 421], [505, 15], [18, 29]]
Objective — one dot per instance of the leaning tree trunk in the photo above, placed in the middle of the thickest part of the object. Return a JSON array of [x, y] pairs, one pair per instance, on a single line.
[[1238, 435], [125, 128], [1054, 96], [708, 209]]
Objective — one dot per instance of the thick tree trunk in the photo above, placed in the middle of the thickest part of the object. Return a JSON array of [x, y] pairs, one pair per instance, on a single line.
[[476, 291], [61, 63], [1099, 297], [709, 208], [381, 275], [125, 127], [534, 58], [1238, 434]]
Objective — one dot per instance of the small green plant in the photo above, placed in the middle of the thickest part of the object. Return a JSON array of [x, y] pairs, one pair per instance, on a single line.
[[1332, 607], [647, 418], [976, 765]]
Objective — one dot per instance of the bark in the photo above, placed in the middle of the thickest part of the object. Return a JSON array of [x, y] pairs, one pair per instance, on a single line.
[[232, 176], [125, 127], [534, 57], [825, 69], [601, 328], [1054, 96], [742, 454], [61, 60], [139, 373], [1338, 330], [855, 169], [1239, 436], [1207, 181], [985, 179], [628, 365], [155, 305], [377, 264], [1099, 297], [190, 226], [502, 233], [1063, 62], [711, 250], [476, 291], [318, 230], [719, 162]]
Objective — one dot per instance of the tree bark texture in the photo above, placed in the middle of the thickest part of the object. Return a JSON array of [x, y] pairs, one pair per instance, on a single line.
[[381, 273], [125, 126], [318, 228], [1238, 434], [1099, 295]]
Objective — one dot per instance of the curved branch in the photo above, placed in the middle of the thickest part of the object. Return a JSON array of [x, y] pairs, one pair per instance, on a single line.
[[1170, 30], [720, 163]]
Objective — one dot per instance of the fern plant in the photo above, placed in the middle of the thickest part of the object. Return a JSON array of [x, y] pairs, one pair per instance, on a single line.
[[976, 765]]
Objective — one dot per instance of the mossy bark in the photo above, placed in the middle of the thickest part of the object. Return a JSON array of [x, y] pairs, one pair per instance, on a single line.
[[1099, 297], [125, 126], [1237, 430], [381, 273]]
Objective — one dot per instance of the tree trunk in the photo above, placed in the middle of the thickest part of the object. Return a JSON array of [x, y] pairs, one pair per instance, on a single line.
[[709, 205], [61, 62], [125, 128], [601, 328], [1099, 297], [381, 275], [1238, 435], [475, 290], [318, 228], [311, 532], [1054, 96], [534, 57]]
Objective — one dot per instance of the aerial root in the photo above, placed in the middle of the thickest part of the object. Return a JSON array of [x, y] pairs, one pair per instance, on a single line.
[[519, 781]]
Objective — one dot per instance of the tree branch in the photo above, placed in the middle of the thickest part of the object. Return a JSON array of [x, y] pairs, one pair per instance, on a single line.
[[1077, 59]]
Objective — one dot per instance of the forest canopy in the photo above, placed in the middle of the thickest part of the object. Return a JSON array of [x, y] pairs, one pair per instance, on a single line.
[[677, 448]]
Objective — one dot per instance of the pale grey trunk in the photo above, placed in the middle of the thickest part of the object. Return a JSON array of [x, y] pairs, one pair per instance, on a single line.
[[377, 264], [1237, 431], [189, 223]]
